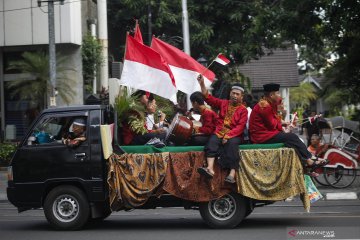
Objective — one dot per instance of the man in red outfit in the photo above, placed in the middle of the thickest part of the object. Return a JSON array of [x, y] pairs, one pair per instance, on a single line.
[[265, 126], [208, 120], [228, 133]]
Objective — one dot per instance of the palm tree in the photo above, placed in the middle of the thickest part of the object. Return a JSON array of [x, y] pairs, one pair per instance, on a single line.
[[37, 65], [302, 96]]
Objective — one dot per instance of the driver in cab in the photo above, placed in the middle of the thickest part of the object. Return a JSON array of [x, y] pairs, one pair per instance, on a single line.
[[77, 135]]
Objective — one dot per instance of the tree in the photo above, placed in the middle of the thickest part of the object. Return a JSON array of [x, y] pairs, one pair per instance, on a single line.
[[37, 64], [302, 96], [243, 29], [91, 60]]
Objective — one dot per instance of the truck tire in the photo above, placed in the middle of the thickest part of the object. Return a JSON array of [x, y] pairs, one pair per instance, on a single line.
[[66, 208], [225, 212]]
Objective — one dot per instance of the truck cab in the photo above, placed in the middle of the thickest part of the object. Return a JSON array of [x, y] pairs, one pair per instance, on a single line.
[[43, 168]]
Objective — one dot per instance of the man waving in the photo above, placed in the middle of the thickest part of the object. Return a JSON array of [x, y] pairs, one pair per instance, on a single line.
[[228, 133]]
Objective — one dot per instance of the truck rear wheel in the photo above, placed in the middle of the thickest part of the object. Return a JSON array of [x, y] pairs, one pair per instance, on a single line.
[[225, 212], [66, 208]]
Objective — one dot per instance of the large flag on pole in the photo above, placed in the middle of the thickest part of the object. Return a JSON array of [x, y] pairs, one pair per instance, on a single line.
[[184, 67], [146, 70]]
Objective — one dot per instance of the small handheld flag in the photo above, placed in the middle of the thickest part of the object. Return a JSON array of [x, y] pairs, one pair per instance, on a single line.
[[222, 59]]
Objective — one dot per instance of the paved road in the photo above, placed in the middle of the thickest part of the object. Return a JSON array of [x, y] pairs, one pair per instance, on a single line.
[[270, 222]]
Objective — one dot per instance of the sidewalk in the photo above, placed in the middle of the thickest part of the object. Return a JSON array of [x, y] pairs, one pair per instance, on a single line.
[[3, 184]]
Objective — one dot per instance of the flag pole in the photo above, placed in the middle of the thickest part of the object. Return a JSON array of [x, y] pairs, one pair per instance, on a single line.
[[207, 68], [128, 90]]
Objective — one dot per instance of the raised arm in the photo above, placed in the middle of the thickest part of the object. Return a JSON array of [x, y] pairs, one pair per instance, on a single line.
[[204, 91]]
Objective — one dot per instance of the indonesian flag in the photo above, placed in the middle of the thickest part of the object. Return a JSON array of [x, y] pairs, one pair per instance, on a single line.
[[184, 67], [222, 59], [137, 34], [146, 70]]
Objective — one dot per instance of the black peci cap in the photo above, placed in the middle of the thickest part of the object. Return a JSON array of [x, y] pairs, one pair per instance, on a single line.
[[271, 87]]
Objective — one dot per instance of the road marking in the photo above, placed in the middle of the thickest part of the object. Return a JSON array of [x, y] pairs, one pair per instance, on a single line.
[[341, 196]]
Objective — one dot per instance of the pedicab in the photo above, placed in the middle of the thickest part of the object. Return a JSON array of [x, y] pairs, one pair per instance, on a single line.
[[342, 152]]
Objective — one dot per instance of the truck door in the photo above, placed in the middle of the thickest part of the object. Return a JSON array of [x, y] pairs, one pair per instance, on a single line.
[[44, 158]]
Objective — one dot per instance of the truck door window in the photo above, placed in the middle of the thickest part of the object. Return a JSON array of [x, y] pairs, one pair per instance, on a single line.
[[51, 130]]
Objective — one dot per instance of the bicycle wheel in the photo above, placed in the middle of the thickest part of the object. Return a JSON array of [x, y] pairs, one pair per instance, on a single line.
[[321, 178], [339, 177]]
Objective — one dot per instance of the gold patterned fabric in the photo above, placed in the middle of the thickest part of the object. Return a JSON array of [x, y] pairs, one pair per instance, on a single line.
[[133, 178], [264, 174], [183, 181], [271, 174], [227, 120]]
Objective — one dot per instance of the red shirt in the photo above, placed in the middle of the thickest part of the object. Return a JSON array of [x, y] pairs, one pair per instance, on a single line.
[[232, 119], [208, 120], [264, 122], [128, 135]]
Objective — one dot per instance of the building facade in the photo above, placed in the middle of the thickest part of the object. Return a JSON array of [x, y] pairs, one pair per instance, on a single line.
[[276, 66], [24, 28]]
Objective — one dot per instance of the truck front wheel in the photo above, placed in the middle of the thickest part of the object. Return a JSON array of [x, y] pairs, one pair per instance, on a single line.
[[225, 212], [66, 208]]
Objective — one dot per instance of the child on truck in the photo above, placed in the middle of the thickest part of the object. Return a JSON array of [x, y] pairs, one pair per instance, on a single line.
[[208, 120]]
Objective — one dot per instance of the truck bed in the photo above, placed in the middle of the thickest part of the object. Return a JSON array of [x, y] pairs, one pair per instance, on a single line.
[[268, 172]]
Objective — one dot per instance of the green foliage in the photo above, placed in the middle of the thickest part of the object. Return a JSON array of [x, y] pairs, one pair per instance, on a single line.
[[6, 152], [37, 65], [130, 111], [355, 116], [166, 106], [137, 124], [233, 75], [242, 29], [91, 59], [302, 96]]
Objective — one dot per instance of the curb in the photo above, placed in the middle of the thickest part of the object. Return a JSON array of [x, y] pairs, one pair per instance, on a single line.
[[3, 197], [341, 196], [332, 196]]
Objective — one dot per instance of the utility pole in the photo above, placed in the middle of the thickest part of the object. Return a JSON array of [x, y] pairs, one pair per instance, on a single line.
[[186, 37], [93, 34], [52, 48], [103, 38], [185, 26]]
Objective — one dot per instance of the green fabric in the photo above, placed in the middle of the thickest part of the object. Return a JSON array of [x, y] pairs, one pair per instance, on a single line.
[[151, 149]]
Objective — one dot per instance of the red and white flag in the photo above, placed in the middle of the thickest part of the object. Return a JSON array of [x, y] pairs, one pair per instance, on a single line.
[[137, 34], [221, 59], [184, 67], [146, 70]]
